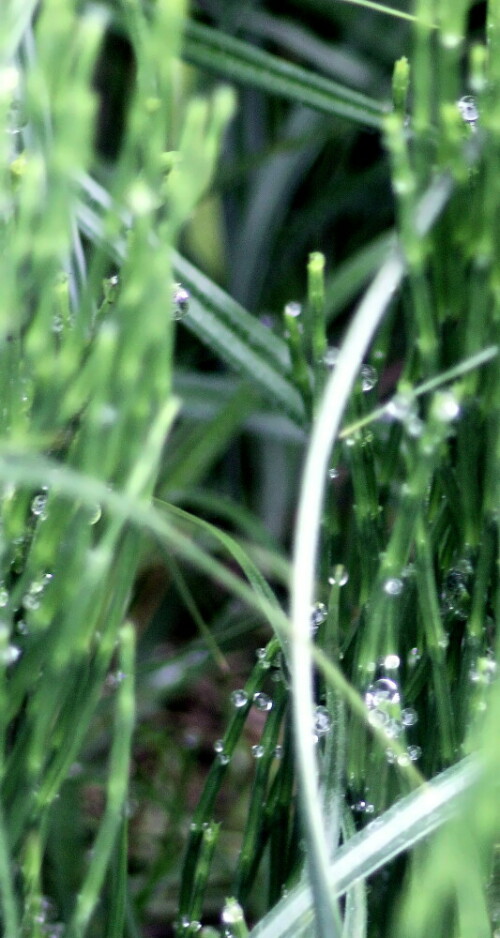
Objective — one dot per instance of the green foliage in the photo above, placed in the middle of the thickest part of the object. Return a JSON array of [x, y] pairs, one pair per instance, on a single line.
[[150, 418]]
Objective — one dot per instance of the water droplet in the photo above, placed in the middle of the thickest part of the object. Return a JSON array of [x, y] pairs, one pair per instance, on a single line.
[[390, 756], [445, 406], [16, 118], [454, 594], [382, 693], [180, 300], [261, 654], [484, 671], [369, 377], [331, 356], [219, 746], [409, 716], [262, 702], [363, 807], [39, 506], [468, 109], [340, 575], [31, 602], [107, 415], [414, 656], [239, 698], [278, 752], [333, 472], [4, 596], [223, 758], [22, 627], [293, 309], [258, 751], [10, 654], [403, 760], [401, 407], [319, 613], [391, 662], [95, 513], [393, 586], [57, 324], [322, 722], [414, 752], [232, 913]]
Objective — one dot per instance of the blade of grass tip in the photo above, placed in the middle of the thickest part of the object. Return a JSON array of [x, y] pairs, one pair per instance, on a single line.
[[398, 830], [358, 338], [382, 8]]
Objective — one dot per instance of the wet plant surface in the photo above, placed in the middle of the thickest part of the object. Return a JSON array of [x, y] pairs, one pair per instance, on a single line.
[[249, 470]]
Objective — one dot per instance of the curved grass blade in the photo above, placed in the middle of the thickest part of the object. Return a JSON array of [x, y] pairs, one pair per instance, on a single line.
[[403, 826], [237, 60]]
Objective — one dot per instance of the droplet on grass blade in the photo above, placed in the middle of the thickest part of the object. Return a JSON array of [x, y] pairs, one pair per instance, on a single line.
[[293, 309], [258, 751], [393, 586], [339, 576], [322, 722], [331, 356], [369, 378], [262, 702], [390, 662], [468, 109], [180, 300], [239, 698], [319, 613]]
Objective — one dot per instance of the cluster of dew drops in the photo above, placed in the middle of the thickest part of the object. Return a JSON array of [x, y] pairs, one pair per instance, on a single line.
[[34, 593]]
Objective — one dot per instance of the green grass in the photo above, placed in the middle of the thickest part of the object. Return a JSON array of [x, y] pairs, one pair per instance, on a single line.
[[249, 470]]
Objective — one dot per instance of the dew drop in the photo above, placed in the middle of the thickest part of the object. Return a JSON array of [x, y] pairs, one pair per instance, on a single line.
[[414, 656], [322, 722], [4, 597], [239, 698], [261, 655], [16, 118], [382, 693], [414, 753], [409, 716], [319, 613], [363, 807], [95, 512], [468, 109], [333, 472], [219, 746], [262, 702], [403, 760], [39, 506], [10, 654], [293, 309], [391, 662], [401, 407], [278, 752], [446, 407], [340, 575], [369, 378], [393, 586], [22, 627], [258, 751], [223, 758], [331, 356], [180, 301]]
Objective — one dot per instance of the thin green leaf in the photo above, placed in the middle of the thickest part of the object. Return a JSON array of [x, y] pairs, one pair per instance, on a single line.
[[401, 827], [237, 60]]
